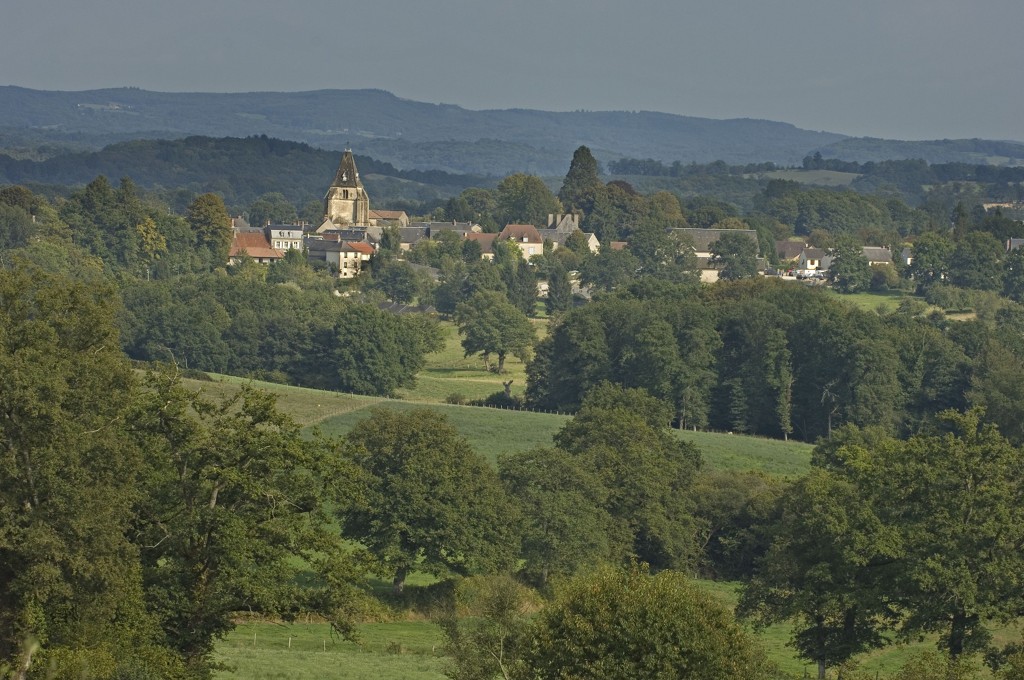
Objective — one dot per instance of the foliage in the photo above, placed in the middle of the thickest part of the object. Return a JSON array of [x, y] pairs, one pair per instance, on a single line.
[[622, 625], [620, 435], [250, 327], [582, 182], [850, 271], [564, 523], [559, 297], [211, 225], [525, 199], [485, 629], [735, 256], [932, 253], [230, 494], [425, 500], [822, 571], [490, 324], [272, 208], [735, 510], [70, 579]]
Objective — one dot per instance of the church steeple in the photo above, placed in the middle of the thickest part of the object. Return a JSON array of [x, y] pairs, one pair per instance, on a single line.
[[346, 202], [347, 175]]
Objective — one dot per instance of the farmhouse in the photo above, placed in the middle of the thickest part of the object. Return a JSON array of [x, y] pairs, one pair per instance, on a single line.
[[703, 239]]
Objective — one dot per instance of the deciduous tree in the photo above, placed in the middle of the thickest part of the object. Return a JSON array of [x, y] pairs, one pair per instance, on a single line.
[[490, 324], [426, 500], [623, 625]]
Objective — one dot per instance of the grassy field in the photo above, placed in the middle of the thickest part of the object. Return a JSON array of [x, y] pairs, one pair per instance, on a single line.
[[886, 302], [450, 372], [411, 650], [309, 651], [492, 432], [489, 431]]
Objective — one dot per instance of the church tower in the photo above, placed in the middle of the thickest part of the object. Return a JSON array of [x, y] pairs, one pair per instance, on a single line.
[[346, 202]]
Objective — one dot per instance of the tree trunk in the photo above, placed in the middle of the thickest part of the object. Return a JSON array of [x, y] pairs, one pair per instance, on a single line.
[[501, 362], [821, 669], [398, 584], [958, 634]]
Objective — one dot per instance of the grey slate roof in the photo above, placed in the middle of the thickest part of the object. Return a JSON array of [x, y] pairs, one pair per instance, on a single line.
[[703, 238]]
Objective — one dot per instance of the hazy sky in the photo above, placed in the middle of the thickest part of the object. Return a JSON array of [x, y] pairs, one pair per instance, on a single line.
[[910, 69]]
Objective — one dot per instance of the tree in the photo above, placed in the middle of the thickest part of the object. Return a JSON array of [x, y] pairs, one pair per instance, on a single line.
[[932, 253], [490, 324], [623, 625], [426, 500], [69, 571], [559, 291], [582, 183], [620, 434], [850, 271], [488, 640], [822, 571], [1013, 276], [525, 199], [952, 491], [977, 262], [609, 269], [964, 506], [736, 511], [371, 351], [271, 208], [230, 496], [16, 227], [397, 280], [735, 255], [564, 523], [211, 226]]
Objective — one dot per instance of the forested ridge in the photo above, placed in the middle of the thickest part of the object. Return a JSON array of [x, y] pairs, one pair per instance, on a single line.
[[138, 517]]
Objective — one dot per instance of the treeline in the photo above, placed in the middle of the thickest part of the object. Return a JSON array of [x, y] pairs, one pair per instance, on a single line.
[[767, 358], [245, 325], [239, 170]]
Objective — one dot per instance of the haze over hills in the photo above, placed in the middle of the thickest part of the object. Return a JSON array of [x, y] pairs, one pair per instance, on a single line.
[[417, 135]]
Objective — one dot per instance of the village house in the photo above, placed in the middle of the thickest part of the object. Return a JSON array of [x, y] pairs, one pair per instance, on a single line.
[[347, 258], [526, 237], [560, 227], [252, 243], [703, 239], [285, 236]]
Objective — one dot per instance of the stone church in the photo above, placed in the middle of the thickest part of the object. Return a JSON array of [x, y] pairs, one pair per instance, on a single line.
[[346, 203]]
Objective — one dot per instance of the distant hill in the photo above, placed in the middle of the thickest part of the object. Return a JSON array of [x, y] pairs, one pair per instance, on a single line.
[[973, 151], [36, 124], [406, 133]]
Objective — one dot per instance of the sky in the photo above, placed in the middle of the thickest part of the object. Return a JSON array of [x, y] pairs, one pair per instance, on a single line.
[[899, 69]]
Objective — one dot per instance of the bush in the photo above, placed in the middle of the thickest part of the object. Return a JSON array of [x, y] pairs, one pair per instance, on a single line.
[[455, 398], [500, 400], [617, 624], [884, 277]]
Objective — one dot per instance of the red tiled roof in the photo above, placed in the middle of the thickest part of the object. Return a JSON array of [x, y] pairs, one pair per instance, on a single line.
[[360, 247], [254, 244], [618, 245]]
